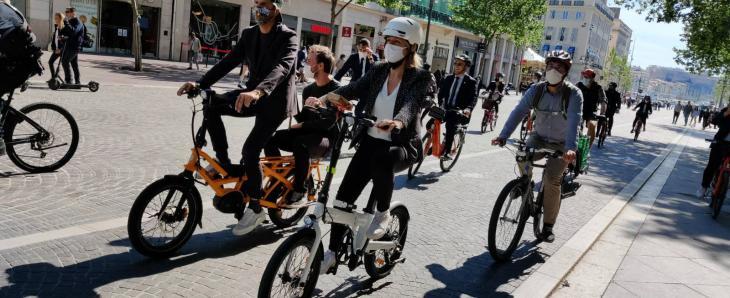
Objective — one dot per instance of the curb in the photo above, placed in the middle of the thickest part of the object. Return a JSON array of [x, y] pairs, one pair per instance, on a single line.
[[550, 275]]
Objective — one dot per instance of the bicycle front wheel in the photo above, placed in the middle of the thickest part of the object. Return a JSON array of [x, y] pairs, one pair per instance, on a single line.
[[283, 275], [456, 148], [47, 150], [507, 221]]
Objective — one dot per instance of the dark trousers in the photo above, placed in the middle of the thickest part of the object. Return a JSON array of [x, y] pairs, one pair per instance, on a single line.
[[374, 160], [676, 117], [72, 58], [718, 151], [52, 62], [609, 118], [643, 121], [453, 119], [263, 128], [304, 145]]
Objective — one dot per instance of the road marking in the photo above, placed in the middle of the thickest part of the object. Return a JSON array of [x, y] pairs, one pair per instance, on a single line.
[[93, 227]]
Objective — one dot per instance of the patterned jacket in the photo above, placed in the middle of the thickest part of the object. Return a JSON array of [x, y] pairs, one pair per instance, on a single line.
[[412, 98]]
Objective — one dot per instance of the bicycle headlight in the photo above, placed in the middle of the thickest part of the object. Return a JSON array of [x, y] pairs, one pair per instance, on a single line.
[[308, 221]]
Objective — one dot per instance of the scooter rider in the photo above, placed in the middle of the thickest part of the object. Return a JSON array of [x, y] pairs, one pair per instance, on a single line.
[[73, 31], [557, 104], [270, 50]]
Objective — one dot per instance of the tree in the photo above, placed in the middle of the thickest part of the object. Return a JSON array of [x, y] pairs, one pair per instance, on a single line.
[[722, 90], [706, 30], [136, 37], [618, 70], [520, 19], [334, 12]]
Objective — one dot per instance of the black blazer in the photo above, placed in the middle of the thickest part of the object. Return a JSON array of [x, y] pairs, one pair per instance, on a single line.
[[723, 124], [467, 97], [353, 62], [412, 98], [273, 73]]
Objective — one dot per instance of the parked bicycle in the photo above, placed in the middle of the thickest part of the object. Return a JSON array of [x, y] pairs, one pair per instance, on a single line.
[[164, 215], [432, 144], [294, 267], [40, 137], [517, 202]]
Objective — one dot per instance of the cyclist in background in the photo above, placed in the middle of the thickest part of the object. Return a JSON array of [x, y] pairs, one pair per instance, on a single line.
[[643, 110], [557, 105], [593, 95], [614, 104], [457, 91], [718, 148]]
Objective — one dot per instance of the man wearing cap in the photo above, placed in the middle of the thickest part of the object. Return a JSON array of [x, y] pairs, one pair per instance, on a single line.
[[457, 91], [359, 63], [270, 51], [593, 95]]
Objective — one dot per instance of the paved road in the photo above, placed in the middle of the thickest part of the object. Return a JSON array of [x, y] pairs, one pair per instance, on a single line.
[[132, 135]]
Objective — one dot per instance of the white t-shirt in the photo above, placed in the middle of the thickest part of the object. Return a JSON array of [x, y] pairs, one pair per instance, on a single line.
[[383, 110]]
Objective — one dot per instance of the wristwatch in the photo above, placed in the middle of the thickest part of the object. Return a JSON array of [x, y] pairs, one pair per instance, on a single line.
[[259, 93]]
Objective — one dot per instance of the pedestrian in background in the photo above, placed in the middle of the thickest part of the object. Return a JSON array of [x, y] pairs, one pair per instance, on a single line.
[[56, 43], [194, 51], [677, 110], [686, 110], [695, 114], [301, 59], [360, 62], [340, 63]]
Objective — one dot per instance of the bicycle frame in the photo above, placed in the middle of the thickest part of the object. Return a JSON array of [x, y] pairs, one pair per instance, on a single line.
[[436, 146], [9, 112], [724, 168]]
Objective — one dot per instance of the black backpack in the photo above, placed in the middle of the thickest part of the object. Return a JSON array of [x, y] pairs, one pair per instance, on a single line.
[[541, 87], [19, 57], [88, 39]]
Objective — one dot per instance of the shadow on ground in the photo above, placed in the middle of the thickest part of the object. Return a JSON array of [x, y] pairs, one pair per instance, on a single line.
[[82, 278]]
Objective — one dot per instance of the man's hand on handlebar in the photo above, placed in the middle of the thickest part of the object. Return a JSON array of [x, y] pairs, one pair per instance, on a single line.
[[246, 99], [186, 88], [569, 156], [314, 102], [467, 112], [499, 142]]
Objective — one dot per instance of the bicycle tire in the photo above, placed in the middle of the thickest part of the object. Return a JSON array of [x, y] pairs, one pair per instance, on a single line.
[[275, 214], [719, 198], [136, 215], [303, 238], [413, 169], [370, 259], [484, 124], [537, 216], [502, 255], [523, 131], [10, 127], [447, 165]]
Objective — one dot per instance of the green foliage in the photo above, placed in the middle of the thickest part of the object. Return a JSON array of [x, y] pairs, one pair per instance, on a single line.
[[706, 30], [618, 70], [722, 90], [520, 19]]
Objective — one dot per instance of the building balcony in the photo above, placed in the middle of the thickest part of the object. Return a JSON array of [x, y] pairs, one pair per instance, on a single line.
[[413, 9]]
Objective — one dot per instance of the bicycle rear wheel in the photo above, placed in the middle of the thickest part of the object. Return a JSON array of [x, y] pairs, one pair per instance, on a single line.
[[456, 148], [39, 151], [284, 218], [718, 198], [507, 221]]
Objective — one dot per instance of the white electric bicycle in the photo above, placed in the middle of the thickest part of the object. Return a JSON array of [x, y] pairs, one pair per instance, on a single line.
[[295, 266]]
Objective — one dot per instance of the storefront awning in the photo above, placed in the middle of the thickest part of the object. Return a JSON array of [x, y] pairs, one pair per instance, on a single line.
[[531, 55]]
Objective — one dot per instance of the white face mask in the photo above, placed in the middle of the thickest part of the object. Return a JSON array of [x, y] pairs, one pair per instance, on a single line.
[[553, 77], [586, 81], [394, 53], [534, 81]]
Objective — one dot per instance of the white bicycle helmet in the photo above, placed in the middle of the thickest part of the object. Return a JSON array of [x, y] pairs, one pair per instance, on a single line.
[[405, 28]]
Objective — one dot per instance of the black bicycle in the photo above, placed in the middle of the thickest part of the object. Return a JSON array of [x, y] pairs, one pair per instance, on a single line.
[[517, 202], [40, 137]]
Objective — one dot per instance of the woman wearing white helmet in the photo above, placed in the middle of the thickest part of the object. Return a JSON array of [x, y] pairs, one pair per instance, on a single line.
[[394, 91]]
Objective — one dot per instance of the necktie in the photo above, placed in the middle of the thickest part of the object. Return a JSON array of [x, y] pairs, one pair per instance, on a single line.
[[362, 65], [452, 98]]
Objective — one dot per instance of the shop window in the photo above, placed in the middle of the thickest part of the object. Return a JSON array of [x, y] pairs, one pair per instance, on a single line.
[[216, 23]]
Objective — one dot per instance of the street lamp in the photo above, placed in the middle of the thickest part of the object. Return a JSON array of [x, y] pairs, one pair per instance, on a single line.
[[428, 30]]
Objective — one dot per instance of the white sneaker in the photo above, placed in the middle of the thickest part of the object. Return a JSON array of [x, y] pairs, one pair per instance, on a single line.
[[248, 222], [379, 225], [701, 193], [327, 262]]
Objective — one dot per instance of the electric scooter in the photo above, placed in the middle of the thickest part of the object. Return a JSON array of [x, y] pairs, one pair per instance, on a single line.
[[57, 83]]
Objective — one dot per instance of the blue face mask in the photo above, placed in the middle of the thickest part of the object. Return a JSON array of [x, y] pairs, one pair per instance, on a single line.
[[262, 14]]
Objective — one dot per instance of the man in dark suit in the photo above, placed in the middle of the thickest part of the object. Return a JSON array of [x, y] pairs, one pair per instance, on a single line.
[[360, 62], [457, 91], [270, 51], [73, 31]]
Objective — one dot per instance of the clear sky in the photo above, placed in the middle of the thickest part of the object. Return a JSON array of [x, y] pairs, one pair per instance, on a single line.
[[654, 41]]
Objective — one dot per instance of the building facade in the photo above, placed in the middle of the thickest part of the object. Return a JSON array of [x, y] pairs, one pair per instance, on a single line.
[[620, 35], [582, 28], [166, 24]]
